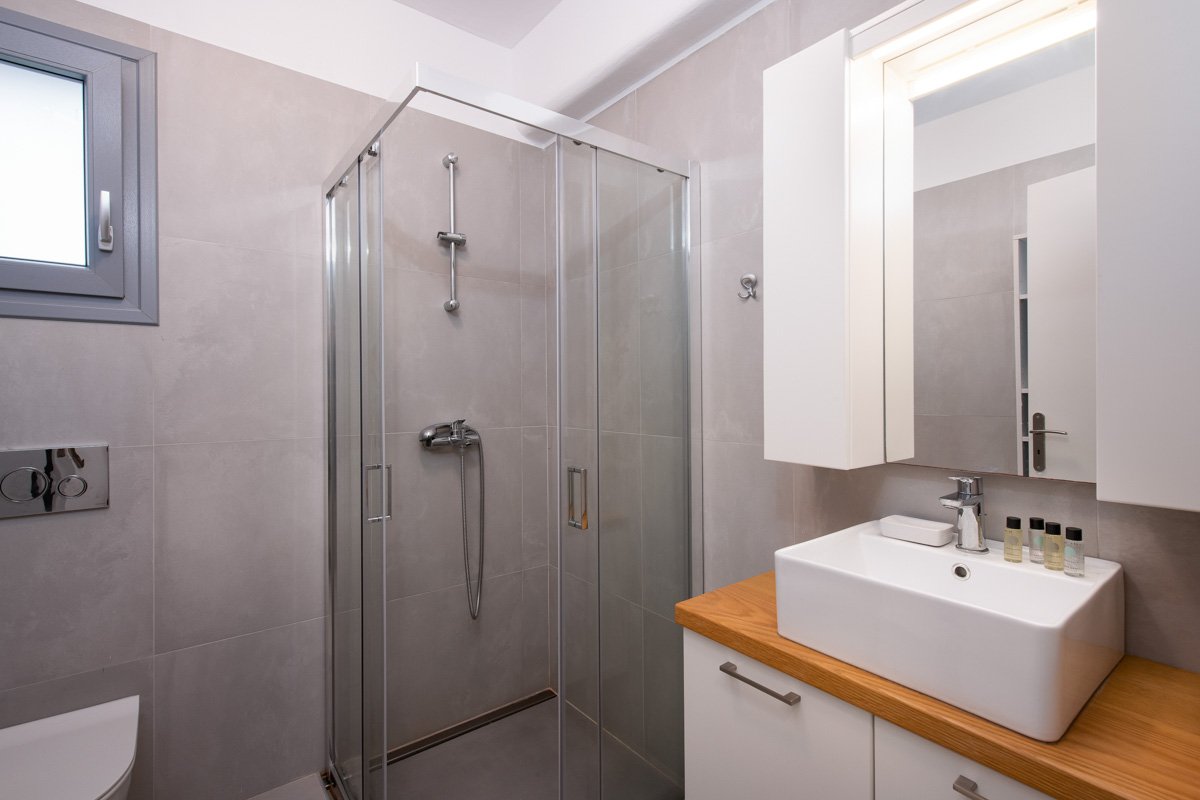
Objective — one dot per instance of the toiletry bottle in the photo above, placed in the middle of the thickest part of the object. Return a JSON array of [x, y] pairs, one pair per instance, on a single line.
[[1052, 544], [1073, 553], [1037, 530], [1012, 540]]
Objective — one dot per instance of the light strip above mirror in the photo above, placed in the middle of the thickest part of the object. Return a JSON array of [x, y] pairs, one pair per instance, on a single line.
[[1002, 47]]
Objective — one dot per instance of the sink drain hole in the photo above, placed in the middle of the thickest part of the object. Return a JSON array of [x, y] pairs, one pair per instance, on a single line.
[[962, 571]]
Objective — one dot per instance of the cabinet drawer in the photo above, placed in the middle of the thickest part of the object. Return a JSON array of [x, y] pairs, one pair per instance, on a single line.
[[908, 767], [741, 742]]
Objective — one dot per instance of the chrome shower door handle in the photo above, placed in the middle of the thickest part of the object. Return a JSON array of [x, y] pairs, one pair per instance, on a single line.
[[580, 522], [385, 490]]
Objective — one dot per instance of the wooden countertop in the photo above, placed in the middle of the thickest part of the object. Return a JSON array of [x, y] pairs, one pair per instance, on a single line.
[[1138, 738]]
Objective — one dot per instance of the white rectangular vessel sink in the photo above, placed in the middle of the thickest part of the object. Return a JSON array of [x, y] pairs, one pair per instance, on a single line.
[[1017, 644]]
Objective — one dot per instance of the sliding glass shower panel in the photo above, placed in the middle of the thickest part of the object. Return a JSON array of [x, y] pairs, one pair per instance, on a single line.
[[642, 514], [578, 473], [377, 494], [345, 485]]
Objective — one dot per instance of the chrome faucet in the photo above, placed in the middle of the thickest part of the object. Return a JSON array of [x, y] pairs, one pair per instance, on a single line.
[[968, 502]]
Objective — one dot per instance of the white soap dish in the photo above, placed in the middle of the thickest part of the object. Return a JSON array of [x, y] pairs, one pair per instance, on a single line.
[[920, 531]]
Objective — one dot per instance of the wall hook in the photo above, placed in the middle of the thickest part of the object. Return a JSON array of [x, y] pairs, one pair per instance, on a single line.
[[749, 281]]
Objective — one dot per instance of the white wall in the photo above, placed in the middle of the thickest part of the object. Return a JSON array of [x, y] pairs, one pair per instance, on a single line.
[[1047, 118]]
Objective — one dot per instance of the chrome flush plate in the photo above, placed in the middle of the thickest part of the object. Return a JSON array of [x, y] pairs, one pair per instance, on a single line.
[[53, 479]]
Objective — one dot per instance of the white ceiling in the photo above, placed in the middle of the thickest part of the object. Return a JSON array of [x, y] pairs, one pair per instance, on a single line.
[[503, 22], [575, 56]]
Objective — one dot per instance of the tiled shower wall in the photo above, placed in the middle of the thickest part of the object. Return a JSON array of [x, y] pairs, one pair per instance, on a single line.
[[201, 588], [709, 107], [486, 363]]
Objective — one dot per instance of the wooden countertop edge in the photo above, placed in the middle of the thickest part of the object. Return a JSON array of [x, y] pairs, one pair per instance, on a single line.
[[736, 616]]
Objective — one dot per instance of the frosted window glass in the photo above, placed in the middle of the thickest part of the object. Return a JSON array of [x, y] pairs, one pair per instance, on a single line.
[[42, 202]]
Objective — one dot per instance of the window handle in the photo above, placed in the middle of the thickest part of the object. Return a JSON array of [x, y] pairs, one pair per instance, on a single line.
[[106, 229]]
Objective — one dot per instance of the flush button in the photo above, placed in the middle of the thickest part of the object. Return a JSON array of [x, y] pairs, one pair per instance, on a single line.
[[24, 484], [72, 486]]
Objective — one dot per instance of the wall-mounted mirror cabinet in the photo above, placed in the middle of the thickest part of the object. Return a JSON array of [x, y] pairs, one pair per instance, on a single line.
[[930, 244]]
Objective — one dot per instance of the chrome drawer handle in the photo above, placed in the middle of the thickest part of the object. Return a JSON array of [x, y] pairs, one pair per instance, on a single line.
[[730, 669], [966, 787]]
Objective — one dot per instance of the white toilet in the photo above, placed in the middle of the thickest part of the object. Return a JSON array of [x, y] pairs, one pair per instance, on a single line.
[[81, 755]]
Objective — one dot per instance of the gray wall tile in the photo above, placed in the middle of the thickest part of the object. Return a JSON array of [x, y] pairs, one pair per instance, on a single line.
[[617, 213], [962, 237], [663, 345], [619, 315], [239, 716], [748, 512], [620, 515], [536, 204], [988, 444], [580, 635], [213, 185], [675, 111], [534, 336], [535, 501], [77, 589], [664, 524], [228, 330], [535, 630], [443, 666], [979, 324], [663, 643], [71, 389], [622, 660], [449, 366], [1160, 550], [229, 560], [733, 341]]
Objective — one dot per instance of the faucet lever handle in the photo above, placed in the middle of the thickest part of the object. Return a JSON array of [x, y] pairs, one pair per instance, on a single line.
[[969, 485]]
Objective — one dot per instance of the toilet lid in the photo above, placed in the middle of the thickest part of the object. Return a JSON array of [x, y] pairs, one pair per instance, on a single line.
[[80, 755]]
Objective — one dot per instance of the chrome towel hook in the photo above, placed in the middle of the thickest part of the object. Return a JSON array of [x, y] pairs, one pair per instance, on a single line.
[[749, 282]]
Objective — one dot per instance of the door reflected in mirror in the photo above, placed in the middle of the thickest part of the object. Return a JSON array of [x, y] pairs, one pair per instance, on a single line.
[[1003, 259]]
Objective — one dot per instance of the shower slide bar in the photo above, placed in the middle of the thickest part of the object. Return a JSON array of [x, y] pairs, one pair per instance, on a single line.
[[451, 238]]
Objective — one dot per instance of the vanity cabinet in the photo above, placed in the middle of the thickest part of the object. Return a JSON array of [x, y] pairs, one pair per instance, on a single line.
[[908, 767], [743, 743]]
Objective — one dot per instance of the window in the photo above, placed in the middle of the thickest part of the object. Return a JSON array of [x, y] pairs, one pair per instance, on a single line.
[[78, 233]]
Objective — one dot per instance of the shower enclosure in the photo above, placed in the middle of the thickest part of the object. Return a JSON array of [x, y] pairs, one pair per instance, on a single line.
[[501, 276]]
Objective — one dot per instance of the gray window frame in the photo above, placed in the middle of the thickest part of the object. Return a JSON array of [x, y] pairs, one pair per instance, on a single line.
[[120, 141]]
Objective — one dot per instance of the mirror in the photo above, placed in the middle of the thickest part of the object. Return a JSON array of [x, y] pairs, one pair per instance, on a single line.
[[992, 253]]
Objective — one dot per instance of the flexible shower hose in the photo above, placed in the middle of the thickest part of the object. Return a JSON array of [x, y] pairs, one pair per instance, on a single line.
[[474, 596]]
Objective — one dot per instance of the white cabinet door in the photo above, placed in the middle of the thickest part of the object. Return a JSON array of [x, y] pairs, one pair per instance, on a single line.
[[908, 767], [1062, 321], [742, 744]]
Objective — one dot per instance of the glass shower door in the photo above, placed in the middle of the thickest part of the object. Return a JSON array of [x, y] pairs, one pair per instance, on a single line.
[[359, 497], [624, 437]]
